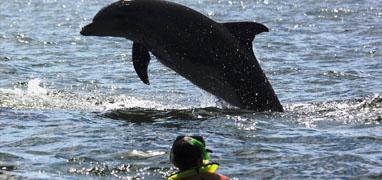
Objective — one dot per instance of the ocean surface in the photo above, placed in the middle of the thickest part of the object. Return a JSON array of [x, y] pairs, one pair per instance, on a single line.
[[72, 107]]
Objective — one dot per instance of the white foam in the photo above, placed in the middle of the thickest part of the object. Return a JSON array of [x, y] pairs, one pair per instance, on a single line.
[[36, 96], [35, 88], [144, 154]]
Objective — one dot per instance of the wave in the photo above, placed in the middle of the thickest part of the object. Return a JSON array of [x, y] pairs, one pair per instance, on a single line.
[[367, 110], [33, 95]]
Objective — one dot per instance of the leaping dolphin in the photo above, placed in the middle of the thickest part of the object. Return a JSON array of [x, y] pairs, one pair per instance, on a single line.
[[217, 57]]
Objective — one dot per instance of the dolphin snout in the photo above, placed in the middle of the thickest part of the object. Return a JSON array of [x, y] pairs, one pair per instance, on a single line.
[[86, 31]]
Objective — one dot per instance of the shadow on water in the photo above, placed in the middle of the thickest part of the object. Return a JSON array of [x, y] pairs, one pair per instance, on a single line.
[[151, 115]]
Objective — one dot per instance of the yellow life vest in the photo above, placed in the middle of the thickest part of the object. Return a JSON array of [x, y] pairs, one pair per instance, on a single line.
[[208, 168]]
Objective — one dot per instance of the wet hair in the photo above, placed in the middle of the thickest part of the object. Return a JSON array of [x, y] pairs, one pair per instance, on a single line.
[[185, 155]]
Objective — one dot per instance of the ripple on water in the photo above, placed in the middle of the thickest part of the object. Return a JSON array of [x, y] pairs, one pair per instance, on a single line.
[[118, 167], [34, 141], [7, 157], [350, 75], [23, 39], [358, 111], [5, 58], [8, 163]]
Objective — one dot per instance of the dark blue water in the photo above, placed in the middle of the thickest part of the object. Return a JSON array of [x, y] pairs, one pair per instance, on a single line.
[[72, 107]]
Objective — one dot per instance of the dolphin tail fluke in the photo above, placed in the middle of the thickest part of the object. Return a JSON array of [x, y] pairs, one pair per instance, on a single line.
[[141, 60], [245, 32]]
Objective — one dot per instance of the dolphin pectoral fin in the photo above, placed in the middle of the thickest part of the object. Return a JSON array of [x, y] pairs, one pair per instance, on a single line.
[[141, 60], [245, 32]]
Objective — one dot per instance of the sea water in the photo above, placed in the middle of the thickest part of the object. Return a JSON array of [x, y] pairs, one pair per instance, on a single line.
[[72, 107]]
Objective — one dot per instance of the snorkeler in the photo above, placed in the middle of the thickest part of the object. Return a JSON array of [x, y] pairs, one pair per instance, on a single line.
[[189, 155]]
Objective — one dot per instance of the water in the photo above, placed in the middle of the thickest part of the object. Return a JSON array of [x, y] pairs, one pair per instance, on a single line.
[[72, 107]]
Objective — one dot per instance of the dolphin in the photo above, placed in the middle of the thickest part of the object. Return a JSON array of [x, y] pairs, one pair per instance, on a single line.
[[217, 57]]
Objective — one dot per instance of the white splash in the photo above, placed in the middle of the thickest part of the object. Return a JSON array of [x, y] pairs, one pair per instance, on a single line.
[[36, 96], [143, 154], [35, 88]]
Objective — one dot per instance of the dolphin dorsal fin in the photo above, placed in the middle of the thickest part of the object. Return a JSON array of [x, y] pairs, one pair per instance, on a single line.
[[245, 32], [141, 60]]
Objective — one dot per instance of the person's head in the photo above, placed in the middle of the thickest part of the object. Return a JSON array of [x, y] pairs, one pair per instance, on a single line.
[[188, 152]]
